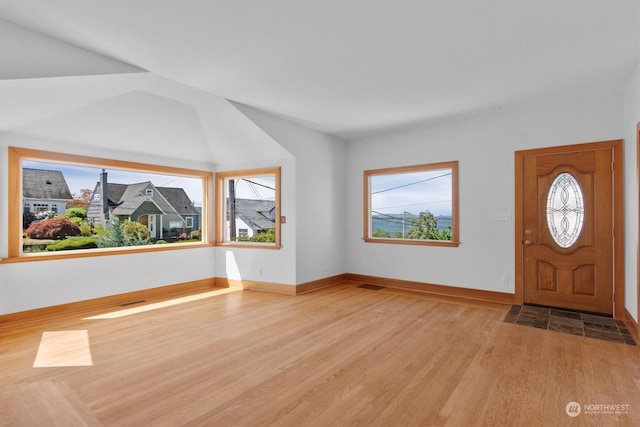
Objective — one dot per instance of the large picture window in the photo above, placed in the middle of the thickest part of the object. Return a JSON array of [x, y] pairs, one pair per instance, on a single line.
[[64, 205], [415, 205], [248, 208]]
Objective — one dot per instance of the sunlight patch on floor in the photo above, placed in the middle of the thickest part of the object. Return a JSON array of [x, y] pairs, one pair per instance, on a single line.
[[162, 304], [63, 348]]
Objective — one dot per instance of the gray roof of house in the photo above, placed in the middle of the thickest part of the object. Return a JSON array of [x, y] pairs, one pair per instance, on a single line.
[[44, 184], [126, 198], [257, 213], [178, 198], [131, 199]]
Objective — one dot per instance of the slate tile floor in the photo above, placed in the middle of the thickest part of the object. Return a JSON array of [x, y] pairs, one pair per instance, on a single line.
[[568, 322]]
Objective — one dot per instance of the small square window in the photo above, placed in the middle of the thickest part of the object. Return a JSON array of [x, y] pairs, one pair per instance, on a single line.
[[415, 205], [248, 200]]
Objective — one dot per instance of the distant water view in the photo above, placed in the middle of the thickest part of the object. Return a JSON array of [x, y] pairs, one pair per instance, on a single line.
[[392, 223]]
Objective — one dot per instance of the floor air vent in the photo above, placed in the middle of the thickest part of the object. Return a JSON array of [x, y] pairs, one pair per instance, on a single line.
[[371, 287]]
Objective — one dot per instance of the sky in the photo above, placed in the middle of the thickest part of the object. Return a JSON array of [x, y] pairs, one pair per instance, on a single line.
[[81, 177], [412, 192], [257, 188]]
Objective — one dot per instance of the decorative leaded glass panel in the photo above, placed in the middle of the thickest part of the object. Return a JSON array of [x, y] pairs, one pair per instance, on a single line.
[[565, 210]]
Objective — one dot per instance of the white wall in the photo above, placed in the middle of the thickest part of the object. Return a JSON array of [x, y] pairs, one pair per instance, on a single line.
[[631, 119], [319, 195], [265, 265], [29, 285], [484, 144]]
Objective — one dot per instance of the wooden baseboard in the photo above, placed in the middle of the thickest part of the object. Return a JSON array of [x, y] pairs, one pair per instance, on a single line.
[[321, 283], [277, 288], [39, 314], [441, 290], [631, 324]]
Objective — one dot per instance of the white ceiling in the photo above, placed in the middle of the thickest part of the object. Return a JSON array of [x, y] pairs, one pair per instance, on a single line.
[[347, 67]]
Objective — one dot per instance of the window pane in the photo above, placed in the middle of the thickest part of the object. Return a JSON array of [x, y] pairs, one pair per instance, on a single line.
[[249, 207], [565, 210], [413, 203], [68, 207]]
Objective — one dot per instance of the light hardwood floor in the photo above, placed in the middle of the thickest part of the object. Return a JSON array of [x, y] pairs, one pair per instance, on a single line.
[[338, 356]]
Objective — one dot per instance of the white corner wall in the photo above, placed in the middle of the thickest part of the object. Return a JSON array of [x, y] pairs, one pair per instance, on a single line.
[[265, 265], [317, 203], [484, 144]]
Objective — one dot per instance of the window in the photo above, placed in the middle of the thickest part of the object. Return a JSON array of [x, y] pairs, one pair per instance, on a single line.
[[565, 210], [40, 207], [416, 205], [189, 220], [248, 208], [149, 192], [85, 206]]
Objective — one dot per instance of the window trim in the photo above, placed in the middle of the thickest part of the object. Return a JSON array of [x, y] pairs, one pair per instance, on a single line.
[[15, 157], [221, 206], [455, 236]]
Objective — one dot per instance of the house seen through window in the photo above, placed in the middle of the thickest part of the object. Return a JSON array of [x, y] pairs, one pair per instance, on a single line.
[[69, 205], [248, 207]]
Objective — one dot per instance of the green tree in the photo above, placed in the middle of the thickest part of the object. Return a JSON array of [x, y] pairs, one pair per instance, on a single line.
[[425, 227], [380, 233], [114, 237], [268, 236], [76, 212], [127, 233]]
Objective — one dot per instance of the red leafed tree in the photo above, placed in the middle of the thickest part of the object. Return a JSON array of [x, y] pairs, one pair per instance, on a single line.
[[54, 228], [81, 200]]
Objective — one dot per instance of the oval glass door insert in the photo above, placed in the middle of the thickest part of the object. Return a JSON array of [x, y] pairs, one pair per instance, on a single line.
[[565, 210]]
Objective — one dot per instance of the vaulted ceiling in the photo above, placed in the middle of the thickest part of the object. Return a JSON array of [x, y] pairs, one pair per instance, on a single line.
[[346, 67]]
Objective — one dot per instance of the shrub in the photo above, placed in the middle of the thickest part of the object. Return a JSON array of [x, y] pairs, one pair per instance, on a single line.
[[99, 230], [74, 243], [161, 242], [136, 233], [128, 233], [53, 228], [114, 237], [77, 221], [76, 213], [268, 236], [85, 228]]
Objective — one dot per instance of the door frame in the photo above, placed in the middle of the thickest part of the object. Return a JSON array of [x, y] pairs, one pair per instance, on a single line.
[[618, 215]]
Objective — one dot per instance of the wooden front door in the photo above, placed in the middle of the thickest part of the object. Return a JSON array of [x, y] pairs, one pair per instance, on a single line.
[[567, 229]]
